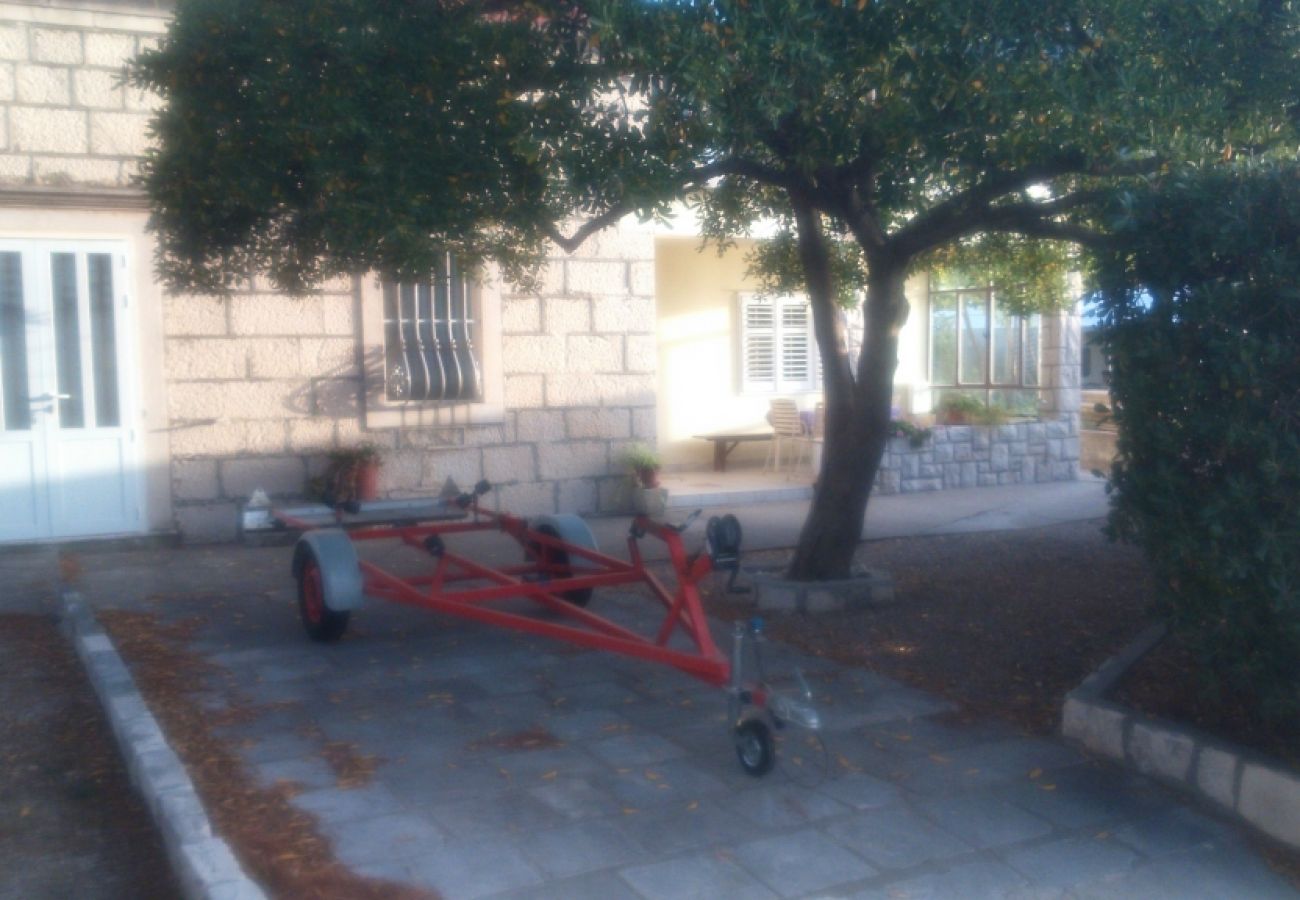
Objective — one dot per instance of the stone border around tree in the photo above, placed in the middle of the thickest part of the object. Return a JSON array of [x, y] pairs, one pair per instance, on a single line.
[[774, 593], [204, 865], [1254, 790]]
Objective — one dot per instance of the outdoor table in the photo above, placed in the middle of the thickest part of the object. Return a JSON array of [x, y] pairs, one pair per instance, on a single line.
[[726, 441]]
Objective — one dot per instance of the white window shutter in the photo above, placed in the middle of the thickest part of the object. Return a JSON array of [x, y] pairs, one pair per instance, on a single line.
[[777, 351], [758, 344], [797, 366]]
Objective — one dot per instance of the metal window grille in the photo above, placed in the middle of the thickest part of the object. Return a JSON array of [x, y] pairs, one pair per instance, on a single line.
[[429, 330]]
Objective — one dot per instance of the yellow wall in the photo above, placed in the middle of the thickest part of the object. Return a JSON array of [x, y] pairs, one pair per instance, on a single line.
[[697, 301]]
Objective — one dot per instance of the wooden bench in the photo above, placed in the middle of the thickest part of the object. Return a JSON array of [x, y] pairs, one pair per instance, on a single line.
[[726, 441]]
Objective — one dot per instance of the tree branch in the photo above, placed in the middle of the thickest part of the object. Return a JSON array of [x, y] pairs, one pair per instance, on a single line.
[[697, 177], [1047, 229], [587, 229], [753, 170], [950, 219]]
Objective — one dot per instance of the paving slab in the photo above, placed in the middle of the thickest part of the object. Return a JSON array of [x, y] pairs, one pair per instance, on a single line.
[[981, 880], [896, 837], [1191, 876], [1073, 861], [800, 862], [983, 819], [473, 868], [698, 876], [580, 848]]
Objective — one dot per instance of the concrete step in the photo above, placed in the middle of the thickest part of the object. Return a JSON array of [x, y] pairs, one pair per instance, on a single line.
[[741, 488]]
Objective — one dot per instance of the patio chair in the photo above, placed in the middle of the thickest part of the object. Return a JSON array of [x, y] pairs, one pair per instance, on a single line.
[[813, 438], [787, 431]]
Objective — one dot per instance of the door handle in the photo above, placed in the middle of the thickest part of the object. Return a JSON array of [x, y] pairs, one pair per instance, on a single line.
[[50, 398]]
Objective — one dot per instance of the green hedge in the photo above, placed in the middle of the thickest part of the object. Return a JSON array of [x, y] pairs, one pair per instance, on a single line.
[[1201, 318]]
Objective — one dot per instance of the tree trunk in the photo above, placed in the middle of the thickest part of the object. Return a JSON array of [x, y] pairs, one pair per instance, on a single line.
[[857, 432]]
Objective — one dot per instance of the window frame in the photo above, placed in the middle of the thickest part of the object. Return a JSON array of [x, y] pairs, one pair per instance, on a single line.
[[778, 384], [988, 384], [380, 411]]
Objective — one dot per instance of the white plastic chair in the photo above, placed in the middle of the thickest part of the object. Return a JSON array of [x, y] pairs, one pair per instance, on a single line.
[[817, 439], [787, 430], [812, 441]]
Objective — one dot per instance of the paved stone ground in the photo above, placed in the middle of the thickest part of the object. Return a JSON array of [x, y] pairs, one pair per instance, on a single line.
[[640, 795]]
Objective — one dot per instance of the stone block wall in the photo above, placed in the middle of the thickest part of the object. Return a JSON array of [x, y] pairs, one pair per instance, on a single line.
[[962, 456], [69, 118], [1062, 344], [261, 386]]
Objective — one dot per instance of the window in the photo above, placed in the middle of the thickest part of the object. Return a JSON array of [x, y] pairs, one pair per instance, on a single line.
[[432, 350], [979, 348], [429, 352], [776, 351]]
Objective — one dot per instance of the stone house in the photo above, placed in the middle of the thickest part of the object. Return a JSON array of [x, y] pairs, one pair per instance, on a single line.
[[125, 409]]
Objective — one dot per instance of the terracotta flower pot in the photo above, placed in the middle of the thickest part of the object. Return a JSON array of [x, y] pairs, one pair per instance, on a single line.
[[367, 481], [649, 477]]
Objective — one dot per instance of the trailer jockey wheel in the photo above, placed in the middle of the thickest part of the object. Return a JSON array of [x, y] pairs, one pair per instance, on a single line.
[[754, 747], [434, 545], [555, 564], [322, 623], [724, 536]]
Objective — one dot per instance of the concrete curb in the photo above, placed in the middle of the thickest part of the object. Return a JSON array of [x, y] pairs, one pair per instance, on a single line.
[[1255, 791], [202, 861], [772, 591]]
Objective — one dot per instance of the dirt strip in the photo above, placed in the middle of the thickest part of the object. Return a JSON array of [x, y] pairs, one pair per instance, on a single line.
[[70, 823]]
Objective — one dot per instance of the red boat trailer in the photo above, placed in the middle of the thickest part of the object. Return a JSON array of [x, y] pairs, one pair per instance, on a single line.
[[562, 567]]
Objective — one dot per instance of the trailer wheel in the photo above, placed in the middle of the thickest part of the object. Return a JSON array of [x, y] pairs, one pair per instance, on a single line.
[[556, 562], [754, 747], [322, 623]]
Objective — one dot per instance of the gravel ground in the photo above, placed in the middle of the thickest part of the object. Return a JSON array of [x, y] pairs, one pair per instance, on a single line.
[[70, 824], [1003, 623]]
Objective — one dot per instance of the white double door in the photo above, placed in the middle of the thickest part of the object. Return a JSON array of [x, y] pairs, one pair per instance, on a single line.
[[68, 446]]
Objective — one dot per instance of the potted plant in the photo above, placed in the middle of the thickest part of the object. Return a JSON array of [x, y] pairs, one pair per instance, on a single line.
[[991, 414], [916, 436], [959, 409], [351, 475], [644, 463]]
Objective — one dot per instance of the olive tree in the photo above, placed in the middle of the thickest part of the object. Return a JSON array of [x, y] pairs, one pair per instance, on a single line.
[[369, 134]]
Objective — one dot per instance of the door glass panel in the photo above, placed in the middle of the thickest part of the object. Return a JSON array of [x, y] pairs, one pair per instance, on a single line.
[[67, 340], [103, 340], [1006, 346], [1033, 331], [943, 338], [13, 345], [974, 338]]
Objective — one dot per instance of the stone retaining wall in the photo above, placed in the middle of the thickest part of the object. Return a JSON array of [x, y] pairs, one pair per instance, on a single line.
[[962, 456]]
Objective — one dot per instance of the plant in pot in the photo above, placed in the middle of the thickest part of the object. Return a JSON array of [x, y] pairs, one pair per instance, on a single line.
[[991, 414], [351, 475], [959, 409], [644, 463], [916, 436]]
